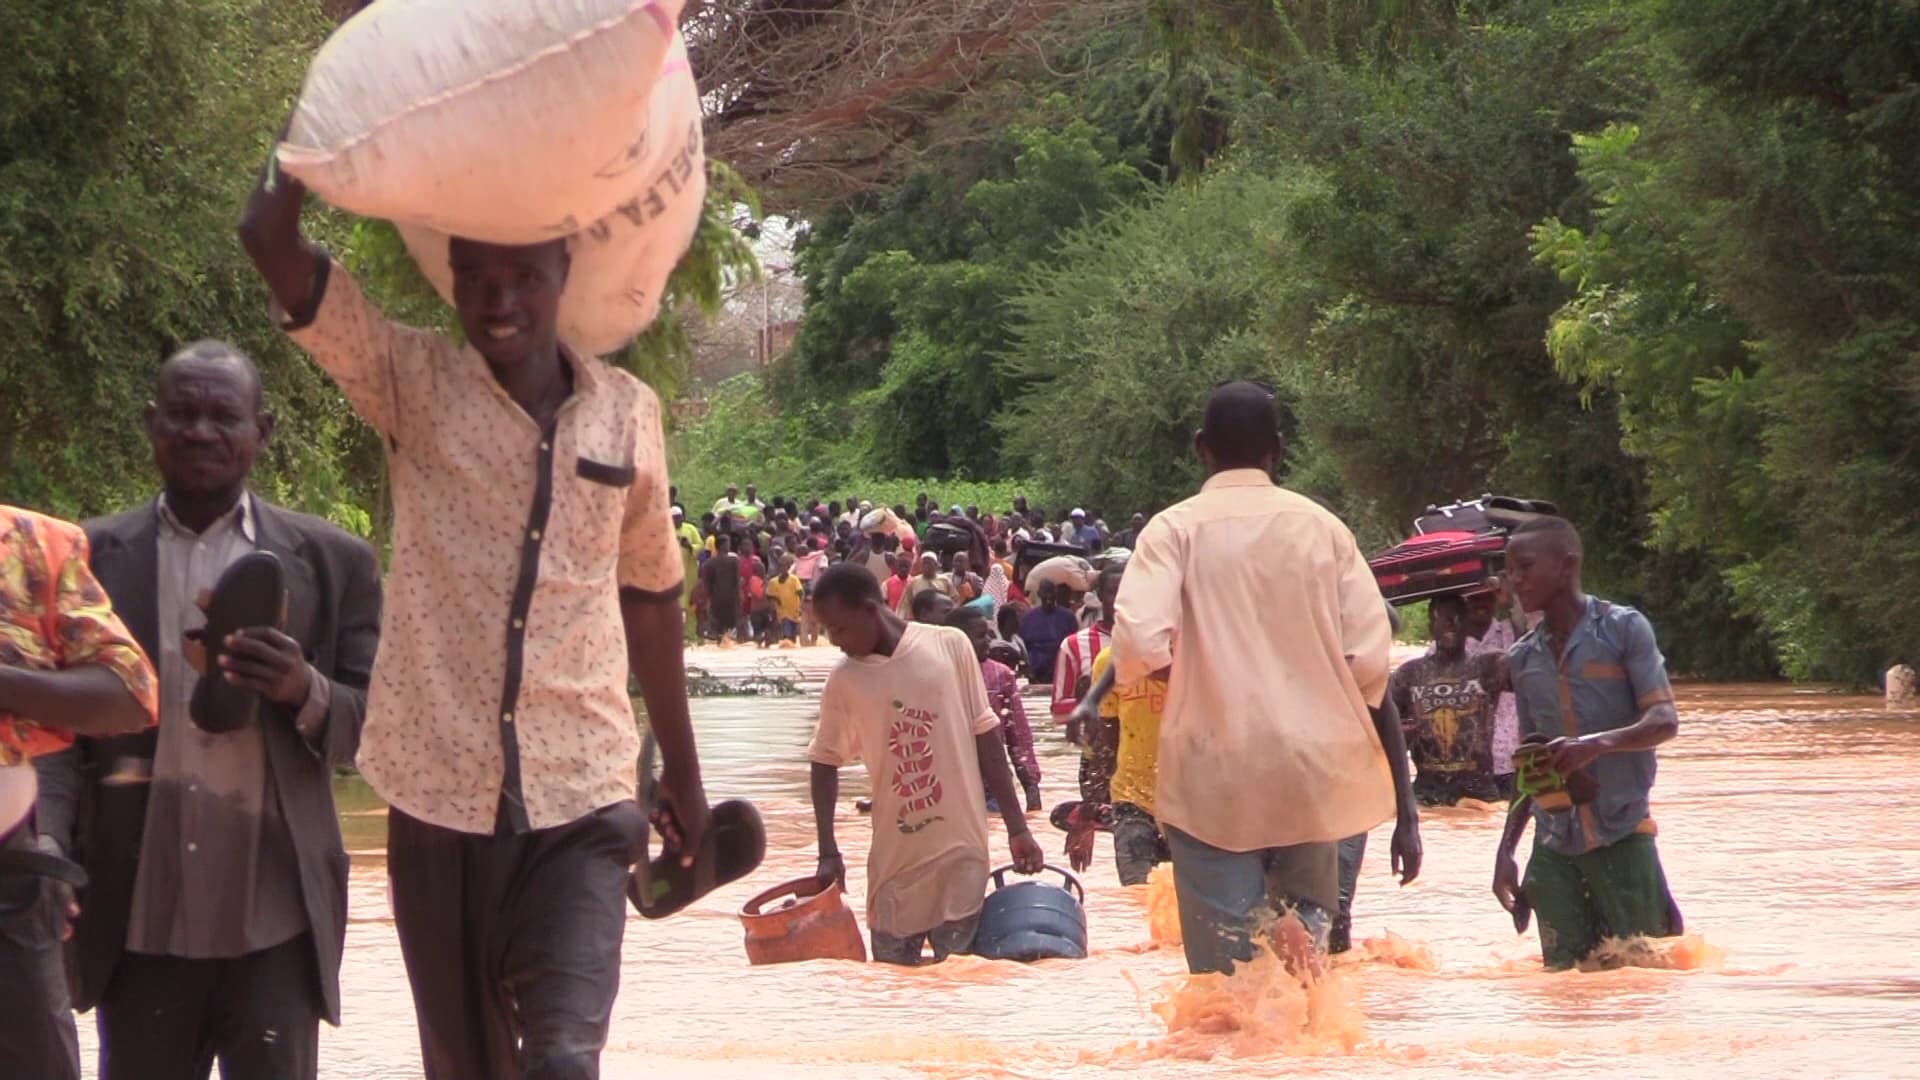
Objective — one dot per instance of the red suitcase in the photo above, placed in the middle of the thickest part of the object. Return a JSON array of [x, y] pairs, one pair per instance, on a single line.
[[1436, 563]]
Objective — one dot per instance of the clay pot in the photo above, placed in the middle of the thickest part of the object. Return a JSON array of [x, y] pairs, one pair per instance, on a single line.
[[812, 922]]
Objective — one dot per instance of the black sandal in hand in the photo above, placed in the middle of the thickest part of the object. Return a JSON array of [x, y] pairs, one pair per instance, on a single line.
[[252, 592], [734, 844]]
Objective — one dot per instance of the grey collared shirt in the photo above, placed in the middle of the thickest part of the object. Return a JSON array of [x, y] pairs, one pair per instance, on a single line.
[[1610, 672], [218, 876]]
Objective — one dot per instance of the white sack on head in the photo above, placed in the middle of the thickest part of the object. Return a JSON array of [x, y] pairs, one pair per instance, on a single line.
[[1072, 571], [621, 262], [509, 121]]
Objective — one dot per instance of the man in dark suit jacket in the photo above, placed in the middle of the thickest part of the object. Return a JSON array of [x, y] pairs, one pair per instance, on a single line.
[[214, 918]]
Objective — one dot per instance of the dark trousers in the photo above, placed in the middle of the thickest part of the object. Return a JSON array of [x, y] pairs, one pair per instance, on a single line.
[[168, 1018], [512, 942], [37, 1036], [1096, 767], [1138, 846], [1618, 891]]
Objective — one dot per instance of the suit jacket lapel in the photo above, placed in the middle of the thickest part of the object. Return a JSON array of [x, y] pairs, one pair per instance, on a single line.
[[278, 536], [129, 569]]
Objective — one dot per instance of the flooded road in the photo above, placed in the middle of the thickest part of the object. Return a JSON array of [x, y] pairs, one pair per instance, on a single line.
[[1785, 824]]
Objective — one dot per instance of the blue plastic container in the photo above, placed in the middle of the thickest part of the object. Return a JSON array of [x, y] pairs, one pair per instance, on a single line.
[[1033, 920]]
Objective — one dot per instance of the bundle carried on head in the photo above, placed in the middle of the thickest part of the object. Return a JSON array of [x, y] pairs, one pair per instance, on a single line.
[[1071, 571], [1455, 548], [515, 122]]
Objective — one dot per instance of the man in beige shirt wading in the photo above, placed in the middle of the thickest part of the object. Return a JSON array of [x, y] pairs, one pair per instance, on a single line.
[[1260, 607], [534, 566]]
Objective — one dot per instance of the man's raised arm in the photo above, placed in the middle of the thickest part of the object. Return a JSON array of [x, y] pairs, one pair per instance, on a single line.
[[321, 309], [270, 231]]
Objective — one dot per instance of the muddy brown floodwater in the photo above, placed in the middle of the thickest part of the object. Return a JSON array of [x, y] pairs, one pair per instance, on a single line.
[[1787, 823]]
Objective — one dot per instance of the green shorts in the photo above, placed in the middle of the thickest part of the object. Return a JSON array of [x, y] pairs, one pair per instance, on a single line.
[[1618, 891]]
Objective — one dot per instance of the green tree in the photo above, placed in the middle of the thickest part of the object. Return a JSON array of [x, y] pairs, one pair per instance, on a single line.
[[132, 132], [906, 297], [1120, 340], [1747, 290]]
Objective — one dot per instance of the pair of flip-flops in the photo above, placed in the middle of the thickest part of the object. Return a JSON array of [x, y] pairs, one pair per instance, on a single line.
[[252, 592], [734, 844]]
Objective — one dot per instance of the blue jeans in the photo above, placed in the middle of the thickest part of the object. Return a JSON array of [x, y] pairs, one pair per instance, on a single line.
[[1352, 850], [1225, 895], [948, 939]]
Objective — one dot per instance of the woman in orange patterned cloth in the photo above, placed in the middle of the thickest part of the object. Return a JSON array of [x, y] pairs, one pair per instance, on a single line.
[[67, 666]]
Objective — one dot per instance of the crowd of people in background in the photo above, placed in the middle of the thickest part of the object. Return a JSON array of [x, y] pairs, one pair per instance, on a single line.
[[751, 563]]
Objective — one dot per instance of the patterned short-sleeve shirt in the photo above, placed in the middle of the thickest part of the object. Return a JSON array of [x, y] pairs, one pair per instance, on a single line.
[[54, 616], [501, 683]]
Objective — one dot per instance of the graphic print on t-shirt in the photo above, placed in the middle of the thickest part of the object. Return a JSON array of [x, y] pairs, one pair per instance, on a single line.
[[910, 742], [1452, 718]]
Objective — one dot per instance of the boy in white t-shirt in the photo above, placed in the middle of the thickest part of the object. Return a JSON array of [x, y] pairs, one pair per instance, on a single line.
[[910, 702]]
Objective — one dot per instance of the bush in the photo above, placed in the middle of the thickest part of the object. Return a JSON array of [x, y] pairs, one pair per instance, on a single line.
[[743, 439]]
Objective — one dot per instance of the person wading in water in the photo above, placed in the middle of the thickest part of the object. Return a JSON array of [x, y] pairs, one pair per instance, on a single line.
[[534, 568], [1590, 682], [1272, 745]]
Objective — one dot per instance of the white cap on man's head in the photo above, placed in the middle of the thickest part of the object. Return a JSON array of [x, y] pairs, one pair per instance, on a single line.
[[1077, 512], [679, 513]]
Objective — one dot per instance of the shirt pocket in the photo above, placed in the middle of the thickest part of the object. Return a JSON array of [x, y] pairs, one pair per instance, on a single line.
[[590, 509], [600, 472]]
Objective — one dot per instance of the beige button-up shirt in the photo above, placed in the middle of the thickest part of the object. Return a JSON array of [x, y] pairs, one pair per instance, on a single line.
[[1264, 607], [501, 683], [218, 876]]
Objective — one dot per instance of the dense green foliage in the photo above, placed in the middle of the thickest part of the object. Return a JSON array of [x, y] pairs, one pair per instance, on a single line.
[[744, 439], [905, 294], [132, 133], [1653, 259], [1750, 289]]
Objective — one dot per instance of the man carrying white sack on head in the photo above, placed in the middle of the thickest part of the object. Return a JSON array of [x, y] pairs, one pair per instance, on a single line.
[[534, 565]]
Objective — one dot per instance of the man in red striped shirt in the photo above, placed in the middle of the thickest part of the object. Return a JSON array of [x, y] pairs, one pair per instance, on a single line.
[[1071, 674]]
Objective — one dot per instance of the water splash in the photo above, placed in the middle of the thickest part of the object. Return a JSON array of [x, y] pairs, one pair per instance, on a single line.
[[1163, 908], [1688, 952], [1259, 1010], [1392, 950]]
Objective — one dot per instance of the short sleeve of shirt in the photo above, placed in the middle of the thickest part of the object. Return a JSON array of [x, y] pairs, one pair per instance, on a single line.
[[88, 632], [1522, 701], [973, 684], [1646, 668], [836, 740], [1399, 688], [1109, 705], [364, 352], [649, 552]]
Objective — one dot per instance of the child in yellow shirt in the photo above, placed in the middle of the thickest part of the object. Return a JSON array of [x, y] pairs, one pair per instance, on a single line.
[[1138, 844]]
